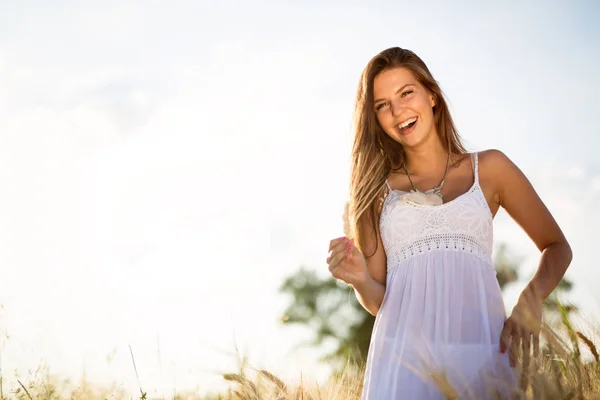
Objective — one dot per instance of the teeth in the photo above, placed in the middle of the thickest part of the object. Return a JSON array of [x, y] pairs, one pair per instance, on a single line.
[[407, 122]]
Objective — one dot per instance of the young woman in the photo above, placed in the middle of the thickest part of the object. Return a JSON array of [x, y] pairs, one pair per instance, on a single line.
[[419, 252]]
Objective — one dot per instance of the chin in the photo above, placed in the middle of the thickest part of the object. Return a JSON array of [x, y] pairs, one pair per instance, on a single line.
[[416, 138], [411, 140]]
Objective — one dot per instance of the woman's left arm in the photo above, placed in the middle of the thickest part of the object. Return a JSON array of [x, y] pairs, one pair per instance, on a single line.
[[516, 195]]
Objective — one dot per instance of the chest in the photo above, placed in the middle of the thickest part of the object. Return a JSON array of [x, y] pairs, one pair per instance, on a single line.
[[468, 213]]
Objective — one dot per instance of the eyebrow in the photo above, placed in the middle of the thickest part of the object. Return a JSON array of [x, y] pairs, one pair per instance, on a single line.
[[399, 90]]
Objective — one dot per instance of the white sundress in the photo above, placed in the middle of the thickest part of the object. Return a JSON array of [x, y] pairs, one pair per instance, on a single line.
[[443, 308]]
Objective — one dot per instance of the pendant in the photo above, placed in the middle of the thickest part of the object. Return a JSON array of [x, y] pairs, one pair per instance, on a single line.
[[419, 197], [434, 198], [438, 192]]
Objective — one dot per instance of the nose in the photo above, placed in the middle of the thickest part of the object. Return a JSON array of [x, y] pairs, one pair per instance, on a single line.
[[395, 107]]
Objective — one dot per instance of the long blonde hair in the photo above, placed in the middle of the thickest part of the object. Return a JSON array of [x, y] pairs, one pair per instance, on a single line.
[[374, 154]]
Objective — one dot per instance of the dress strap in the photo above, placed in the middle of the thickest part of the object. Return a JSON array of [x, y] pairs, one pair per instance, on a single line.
[[385, 194], [475, 161]]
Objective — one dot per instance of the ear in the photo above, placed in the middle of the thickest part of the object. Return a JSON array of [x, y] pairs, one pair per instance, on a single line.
[[432, 101]]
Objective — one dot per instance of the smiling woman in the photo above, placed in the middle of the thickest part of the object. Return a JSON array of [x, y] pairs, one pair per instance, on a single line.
[[420, 260]]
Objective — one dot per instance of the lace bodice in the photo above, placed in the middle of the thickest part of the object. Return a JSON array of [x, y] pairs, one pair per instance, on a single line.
[[463, 224]]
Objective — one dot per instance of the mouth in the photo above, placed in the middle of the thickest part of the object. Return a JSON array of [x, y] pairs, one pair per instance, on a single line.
[[407, 126]]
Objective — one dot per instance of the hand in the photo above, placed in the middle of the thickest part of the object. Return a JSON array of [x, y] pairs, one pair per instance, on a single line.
[[522, 329], [346, 262]]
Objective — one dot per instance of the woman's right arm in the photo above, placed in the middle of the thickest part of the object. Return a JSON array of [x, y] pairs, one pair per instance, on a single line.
[[370, 291], [367, 277]]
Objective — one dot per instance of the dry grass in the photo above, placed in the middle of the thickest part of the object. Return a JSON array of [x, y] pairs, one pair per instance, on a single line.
[[41, 385], [567, 368], [561, 371]]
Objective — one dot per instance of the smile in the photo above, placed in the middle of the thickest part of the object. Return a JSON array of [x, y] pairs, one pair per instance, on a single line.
[[406, 126]]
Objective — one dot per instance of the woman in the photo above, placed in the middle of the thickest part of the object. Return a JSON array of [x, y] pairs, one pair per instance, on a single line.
[[418, 253]]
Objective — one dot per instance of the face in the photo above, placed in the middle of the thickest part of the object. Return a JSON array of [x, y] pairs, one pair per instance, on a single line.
[[403, 107]]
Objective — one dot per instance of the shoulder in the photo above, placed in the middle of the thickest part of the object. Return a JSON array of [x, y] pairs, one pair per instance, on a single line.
[[495, 164], [513, 191], [493, 158], [500, 172]]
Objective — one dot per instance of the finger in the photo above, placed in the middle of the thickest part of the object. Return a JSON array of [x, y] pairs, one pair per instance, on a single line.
[[526, 341], [341, 247], [536, 345], [339, 272], [351, 245], [515, 343], [340, 275], [505, 336], [337, 261], [347, 247], [333, 243]]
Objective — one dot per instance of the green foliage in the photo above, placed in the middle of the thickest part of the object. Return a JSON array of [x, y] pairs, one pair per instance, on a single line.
[[506, 265], [331, 309]]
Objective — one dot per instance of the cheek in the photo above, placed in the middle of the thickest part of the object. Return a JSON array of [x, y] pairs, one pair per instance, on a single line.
[[424, 106], [385, 120]]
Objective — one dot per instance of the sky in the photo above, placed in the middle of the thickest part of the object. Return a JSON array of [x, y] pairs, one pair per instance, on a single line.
[[164, 167]]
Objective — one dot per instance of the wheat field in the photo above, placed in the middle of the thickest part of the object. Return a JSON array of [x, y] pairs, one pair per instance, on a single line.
[[568, 367]]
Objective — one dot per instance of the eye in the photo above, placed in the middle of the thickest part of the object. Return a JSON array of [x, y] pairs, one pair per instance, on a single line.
[[406, 93], [380, 105]]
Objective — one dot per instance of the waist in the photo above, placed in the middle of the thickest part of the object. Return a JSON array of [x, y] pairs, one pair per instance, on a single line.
[[403, 250]]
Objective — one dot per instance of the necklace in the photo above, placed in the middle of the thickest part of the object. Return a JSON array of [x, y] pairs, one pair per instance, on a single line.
[[436, 191]]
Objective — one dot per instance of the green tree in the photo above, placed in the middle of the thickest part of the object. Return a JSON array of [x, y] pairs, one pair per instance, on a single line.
[[506, 266], [332, 311]]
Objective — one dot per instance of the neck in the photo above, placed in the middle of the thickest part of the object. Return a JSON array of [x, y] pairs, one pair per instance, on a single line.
[[427, 159]]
